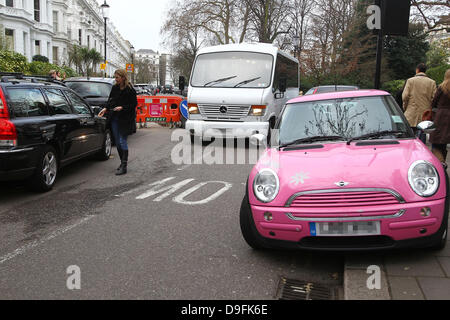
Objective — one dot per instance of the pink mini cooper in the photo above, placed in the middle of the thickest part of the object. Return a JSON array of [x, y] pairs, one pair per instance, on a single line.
[[346, 173]]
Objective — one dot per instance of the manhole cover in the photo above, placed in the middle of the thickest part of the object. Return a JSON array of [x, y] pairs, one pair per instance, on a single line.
[[289, 289]]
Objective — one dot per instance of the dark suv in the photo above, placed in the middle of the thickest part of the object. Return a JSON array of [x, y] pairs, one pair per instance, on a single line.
[[43, 127]]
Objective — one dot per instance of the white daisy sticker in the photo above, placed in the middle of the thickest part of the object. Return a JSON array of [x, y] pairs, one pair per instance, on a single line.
[[299, 178]]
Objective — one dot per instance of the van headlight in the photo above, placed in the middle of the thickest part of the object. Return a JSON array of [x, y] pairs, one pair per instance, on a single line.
[[266, 185], [423, 178]]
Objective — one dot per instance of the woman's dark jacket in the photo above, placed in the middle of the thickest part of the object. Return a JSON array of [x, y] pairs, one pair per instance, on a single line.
[[127, 99], [441, 102]]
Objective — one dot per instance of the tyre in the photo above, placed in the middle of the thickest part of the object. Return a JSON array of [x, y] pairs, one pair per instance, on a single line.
[[105, 153], [46, 172], [248, 228]]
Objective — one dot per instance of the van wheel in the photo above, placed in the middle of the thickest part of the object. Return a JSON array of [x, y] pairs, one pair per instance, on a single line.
[[105, 152], [46, 172]]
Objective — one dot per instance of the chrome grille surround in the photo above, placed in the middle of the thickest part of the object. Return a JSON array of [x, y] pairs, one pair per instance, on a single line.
[[234, 112]]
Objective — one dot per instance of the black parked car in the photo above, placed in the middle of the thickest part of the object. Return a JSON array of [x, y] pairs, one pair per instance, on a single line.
[[45, 126], [94, 90]]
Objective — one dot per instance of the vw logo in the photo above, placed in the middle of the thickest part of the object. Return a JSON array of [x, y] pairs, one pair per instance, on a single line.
[[342, 184], [223, 109]]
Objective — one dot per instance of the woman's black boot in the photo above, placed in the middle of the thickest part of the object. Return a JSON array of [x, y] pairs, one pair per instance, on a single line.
[[123, 167], [120, 151]]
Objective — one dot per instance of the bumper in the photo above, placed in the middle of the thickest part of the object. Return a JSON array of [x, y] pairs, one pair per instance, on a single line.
[[17, 164], [214, 129], [401, 226]]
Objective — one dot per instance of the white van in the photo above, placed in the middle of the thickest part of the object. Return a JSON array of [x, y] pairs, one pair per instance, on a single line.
[[238, 90]]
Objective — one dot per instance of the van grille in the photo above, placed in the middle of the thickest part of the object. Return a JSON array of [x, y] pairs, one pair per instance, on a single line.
[[216, 112]]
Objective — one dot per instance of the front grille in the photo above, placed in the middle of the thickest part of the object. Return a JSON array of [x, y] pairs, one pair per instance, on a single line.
[[344, 199], [233, 113]]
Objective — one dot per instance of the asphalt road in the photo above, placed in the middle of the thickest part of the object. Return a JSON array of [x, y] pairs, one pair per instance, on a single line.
[[132, 242]]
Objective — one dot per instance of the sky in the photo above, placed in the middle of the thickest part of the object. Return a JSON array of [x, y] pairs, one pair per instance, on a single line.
[[139, 21]]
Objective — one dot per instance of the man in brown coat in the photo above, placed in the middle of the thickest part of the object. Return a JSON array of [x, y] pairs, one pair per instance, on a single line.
[[417, 96]]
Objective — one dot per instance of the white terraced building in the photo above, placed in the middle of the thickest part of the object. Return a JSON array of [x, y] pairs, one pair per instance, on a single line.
[[50, 27]]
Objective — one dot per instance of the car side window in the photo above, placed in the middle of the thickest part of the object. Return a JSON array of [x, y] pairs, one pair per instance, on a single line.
[[58, 101], [27, 102], [78, 105]]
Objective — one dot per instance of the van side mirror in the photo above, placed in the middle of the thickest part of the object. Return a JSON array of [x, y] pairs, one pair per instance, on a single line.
[[181, 83]]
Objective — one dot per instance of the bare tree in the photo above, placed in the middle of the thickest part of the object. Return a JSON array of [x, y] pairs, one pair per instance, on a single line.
[[435, 14]]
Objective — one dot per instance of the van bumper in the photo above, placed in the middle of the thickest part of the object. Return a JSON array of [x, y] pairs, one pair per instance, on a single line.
[[217, 129]]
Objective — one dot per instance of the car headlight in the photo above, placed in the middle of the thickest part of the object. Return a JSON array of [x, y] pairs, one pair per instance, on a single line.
[[423, 178], [266, 185]]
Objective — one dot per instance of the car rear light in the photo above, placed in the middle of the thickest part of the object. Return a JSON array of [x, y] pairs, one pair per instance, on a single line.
[[258, 111], [8, 133]]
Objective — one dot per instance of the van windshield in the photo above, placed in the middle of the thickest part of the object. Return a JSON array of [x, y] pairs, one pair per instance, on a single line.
[[233, 70]]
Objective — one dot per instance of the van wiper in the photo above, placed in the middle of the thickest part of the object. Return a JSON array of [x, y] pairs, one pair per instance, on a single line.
[[311, 140], [377, 135], [219, 80], [246, 81]]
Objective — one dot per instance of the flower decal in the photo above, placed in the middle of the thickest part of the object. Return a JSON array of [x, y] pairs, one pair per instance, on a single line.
[[299, 178]]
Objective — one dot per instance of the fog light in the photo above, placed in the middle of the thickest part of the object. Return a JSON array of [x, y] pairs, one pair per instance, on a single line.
[[425, 212], [268, 216]]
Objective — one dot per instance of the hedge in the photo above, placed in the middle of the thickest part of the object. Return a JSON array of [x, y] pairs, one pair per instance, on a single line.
[[15, 62], [437, 74]]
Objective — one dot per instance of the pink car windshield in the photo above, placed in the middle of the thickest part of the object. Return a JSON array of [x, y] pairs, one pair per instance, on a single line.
[[348, 118]]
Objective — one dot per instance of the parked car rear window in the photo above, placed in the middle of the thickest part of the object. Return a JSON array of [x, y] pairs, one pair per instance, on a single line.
[[90, 89], [26, 102], [57, 101], [78, 105]]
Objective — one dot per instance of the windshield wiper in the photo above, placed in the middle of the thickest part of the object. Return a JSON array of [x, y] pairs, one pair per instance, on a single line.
[[246, 81], [377, 135], [311, 140], [219, 80]]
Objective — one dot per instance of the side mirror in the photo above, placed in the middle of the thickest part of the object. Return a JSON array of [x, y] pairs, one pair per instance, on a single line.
[[258, 139], [182, 83], [427, 127], [96, 110]]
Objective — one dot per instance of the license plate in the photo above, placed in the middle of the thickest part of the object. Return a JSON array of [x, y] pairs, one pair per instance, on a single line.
[[156, 120], [345, 229]]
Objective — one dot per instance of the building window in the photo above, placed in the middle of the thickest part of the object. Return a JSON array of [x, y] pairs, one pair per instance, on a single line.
[[55, 21], [80, 38], [10, 3], [55, 55], [89, 42], [37, 10], [9, 35], [37, 47]]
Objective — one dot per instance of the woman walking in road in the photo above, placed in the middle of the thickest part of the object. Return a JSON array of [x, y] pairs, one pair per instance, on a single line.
[[441, 104], [120, 112]]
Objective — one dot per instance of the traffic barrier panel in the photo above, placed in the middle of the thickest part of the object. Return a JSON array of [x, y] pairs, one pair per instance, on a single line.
[[158, 109]]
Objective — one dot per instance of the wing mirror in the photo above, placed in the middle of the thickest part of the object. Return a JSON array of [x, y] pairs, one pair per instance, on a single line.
[[427, 127]]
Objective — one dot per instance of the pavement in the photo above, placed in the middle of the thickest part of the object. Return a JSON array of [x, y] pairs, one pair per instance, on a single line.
[[405, 275]]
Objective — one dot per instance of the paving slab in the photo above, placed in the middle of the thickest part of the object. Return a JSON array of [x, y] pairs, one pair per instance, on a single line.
[[405, 288], [435, 288], [413, 265], [355, 286], [445, 263]]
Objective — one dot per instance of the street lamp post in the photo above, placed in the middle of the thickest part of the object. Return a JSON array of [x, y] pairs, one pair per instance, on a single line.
[[132, 62], [105, 14], [296, 42]]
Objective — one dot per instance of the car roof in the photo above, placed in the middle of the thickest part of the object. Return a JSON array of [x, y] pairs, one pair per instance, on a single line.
[[84, 79], [339, 95]]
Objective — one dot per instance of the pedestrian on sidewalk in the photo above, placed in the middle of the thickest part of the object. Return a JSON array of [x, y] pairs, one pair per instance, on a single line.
[[441, 106], [120, 112], [417, 97]]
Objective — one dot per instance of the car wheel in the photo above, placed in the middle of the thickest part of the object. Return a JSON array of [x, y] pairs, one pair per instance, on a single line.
[[105, 152], [46, 172], [248, 228]]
